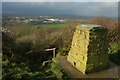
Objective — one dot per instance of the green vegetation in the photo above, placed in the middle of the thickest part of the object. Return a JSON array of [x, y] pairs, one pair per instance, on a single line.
[[24, 45], [21, 29], [51, 26], [23, 49], [26, 70], [23, 70], [114, 53], [58, 71]]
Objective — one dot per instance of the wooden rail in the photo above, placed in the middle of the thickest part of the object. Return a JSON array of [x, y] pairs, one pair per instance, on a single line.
[[54, 55], [52, 49]]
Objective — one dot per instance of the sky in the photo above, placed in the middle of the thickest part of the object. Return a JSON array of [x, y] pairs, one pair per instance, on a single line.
[[68, 8], [60, 0]]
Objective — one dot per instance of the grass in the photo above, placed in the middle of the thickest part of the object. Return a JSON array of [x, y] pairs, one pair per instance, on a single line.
[[45, 36], [19, 30], [28, 70], [58, 71], [23, 70], [114, 53], [40, 37], [52, 26]]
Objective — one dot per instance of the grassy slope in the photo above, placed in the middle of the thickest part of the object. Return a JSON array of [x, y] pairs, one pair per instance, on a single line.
[[51, 26], [25, 29], [19, 30]]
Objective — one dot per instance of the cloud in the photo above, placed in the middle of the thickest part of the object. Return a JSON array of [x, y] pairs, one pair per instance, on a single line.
[[60, 0], [61, 8]]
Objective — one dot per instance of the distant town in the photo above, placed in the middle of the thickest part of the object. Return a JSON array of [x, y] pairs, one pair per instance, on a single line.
[[38, 20]]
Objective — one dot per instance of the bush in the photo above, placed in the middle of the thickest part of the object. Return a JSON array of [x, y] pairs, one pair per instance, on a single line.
[[8, 43], [114, 53], [58, 71], [64, 51], [15, 70], [20, 29]]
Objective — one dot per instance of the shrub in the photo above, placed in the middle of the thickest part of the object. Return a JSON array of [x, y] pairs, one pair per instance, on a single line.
[[15, 71], [8, 43], [114, 53], [20, 29], [58, 71]]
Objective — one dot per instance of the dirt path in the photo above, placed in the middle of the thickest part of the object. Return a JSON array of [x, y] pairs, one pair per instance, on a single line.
[[112, 72]]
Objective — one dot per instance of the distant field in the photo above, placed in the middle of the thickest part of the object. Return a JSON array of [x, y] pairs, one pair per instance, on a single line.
[[51, 26], [19, 30]]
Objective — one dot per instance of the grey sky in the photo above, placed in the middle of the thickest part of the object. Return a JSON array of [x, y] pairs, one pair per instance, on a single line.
[[109, 9], [60, 0]]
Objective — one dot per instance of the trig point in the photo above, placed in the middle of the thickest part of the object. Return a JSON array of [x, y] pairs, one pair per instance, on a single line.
[[89, 49]]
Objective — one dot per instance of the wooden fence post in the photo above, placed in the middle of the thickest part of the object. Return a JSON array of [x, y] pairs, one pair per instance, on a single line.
[[52, 49]]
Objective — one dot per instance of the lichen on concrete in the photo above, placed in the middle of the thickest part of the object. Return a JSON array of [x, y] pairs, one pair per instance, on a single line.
[[89, 49]]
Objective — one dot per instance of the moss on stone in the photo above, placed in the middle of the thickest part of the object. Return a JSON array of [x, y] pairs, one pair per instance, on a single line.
[[89, 49]]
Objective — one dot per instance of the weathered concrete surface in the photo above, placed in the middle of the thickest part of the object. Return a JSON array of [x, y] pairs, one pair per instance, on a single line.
[[88, 52], [112, 72]]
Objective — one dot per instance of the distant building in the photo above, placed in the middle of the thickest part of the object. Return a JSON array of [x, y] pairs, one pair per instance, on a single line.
[[26, 21], [53, 20], [62, 21], [30, 19], [56, 20]]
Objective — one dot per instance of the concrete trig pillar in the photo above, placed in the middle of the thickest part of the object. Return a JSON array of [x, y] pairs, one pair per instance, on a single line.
[[89, 49]]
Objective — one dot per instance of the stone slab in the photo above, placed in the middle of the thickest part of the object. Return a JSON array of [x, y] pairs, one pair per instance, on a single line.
[[112, 72]]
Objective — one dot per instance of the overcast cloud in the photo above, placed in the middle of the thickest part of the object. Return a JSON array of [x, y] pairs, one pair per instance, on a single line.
[[60, 0], [109, 9]]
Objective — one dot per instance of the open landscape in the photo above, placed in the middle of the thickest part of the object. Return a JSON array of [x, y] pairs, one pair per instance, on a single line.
[[24, 47], [29, 44]]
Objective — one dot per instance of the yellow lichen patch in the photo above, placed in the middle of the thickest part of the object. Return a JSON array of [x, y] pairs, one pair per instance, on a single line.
[[89, 49]]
